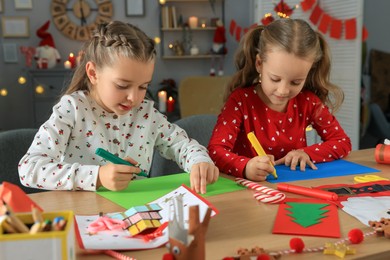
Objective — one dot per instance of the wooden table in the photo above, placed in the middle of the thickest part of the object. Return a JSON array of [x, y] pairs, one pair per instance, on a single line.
[[241, 222]]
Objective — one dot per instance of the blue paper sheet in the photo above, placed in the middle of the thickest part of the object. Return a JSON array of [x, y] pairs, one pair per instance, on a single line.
[[325, 170]]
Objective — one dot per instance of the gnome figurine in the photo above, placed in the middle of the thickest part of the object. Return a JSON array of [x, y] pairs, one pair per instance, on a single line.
[[46, 55], [218, 48]]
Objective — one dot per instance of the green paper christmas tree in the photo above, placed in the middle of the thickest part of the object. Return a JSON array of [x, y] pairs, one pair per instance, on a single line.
[[306, 214]]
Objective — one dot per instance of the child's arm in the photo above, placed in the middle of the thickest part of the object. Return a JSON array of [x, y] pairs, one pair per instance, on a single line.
[[42, 166], [336, 144]]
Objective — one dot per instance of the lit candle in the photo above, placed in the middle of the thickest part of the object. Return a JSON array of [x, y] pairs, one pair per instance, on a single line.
[[67, 65], [72, 60], [162, 101], [203, 23], [193, 21], [170, 104]]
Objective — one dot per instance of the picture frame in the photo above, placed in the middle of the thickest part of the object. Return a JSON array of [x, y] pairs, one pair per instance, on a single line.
[[23, 4], [135, 7], [15, 26], [10, 53]]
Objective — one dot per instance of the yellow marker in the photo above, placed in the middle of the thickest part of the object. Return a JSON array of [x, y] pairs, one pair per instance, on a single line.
[[259, 150]]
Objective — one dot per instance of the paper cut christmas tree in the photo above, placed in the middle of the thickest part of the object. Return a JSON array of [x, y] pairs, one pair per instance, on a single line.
[[306, 214]]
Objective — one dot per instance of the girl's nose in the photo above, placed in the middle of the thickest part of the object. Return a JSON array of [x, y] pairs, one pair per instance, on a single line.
[[132, 95], [283, 89]]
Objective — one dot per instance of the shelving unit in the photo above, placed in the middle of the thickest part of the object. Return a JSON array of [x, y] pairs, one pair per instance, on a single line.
[[53, 82], [202, 37]]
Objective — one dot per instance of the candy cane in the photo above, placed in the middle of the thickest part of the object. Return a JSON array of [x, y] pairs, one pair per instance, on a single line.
[[263, 194]]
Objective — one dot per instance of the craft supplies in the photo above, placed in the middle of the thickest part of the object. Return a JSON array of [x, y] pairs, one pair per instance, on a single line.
[[259, 150], [315, 193], [115, 159], [263, 194]]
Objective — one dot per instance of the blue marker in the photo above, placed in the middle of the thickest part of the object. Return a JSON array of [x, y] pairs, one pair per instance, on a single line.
[[115, 159]]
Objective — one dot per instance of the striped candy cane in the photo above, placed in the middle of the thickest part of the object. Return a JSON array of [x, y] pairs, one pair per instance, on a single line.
[[263, 193]]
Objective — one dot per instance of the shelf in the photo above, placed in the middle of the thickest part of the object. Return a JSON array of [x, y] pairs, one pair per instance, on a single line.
[[200, 56]]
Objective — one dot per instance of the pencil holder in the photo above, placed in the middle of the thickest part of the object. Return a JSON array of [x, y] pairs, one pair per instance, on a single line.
[[382, 153], [42, 245]]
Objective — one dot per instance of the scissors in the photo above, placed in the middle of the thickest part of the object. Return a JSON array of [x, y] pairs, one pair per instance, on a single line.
[[105, 223], [369, 178]]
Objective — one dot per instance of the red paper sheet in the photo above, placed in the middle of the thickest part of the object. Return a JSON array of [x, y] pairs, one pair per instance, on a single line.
[[327, 226]]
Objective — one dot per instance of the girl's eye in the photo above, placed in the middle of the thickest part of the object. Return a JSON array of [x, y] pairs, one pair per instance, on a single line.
[[275, 80], [145, 86], [295, 83], [121, 86]]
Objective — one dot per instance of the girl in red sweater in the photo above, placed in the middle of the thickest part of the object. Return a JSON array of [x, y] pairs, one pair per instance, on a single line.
[[281, 86]]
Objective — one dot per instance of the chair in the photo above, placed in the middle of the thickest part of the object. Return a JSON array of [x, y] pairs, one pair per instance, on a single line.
[[201, 95], [198, 127], [378, 126], [13, 145]]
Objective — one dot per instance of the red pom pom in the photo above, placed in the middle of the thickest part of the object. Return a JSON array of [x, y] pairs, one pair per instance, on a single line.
[[355, 236], [168, 256], [263, 257], [297, 244]]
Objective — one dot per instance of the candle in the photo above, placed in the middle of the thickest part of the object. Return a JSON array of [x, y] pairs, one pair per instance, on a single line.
[[72, 60], [203, 23], [170, 104], [67, 65], [162, 101], [193, 21]]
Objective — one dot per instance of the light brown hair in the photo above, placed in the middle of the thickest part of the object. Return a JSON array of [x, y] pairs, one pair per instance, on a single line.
[[108, 42], [296, 37]]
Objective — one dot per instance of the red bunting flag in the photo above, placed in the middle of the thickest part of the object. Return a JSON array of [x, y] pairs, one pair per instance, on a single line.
[[307, 4], [350, 29], [232, 27], [238, 33], [335, 28], [324, 24], [364, 33], [316, 14]]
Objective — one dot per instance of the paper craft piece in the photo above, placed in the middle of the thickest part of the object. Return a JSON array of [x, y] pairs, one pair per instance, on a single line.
[[306, 214], [16, 198], [122, 240], [367, 208], [141, 192], [187, 244], [141, 219], [325, 170], [295, 218]]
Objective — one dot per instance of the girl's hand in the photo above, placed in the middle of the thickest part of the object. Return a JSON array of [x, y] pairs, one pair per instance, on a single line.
[[258, 168], [202, 174], [295, 157], [116, 177]]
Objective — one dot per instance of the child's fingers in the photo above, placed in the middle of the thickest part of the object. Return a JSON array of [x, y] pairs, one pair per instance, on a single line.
[[195, 183]]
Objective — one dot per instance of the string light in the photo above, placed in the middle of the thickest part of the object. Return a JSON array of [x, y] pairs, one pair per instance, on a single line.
[[157, 40], [3, 92], [22, 80], [162, 2], [39, 89]]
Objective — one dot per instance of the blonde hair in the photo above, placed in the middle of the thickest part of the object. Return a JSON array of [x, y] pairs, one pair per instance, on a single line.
[[108, 42], [293, 36]]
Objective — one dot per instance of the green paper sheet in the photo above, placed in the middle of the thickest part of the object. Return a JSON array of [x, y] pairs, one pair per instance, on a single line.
[[140, 192]]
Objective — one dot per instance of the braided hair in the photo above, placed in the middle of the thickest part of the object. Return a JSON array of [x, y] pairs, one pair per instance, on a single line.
[[109, 42]]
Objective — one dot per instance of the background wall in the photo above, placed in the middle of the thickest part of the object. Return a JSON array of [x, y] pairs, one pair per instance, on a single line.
[[16, 108]]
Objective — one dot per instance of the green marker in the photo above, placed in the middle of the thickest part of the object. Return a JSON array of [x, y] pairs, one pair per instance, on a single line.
[[115, 159]]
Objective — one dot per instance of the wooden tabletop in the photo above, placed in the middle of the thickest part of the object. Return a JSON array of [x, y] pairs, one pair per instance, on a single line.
[[241, 222]]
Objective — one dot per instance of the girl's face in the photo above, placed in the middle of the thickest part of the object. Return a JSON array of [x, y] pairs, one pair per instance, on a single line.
[[120, 87], [283, 76]]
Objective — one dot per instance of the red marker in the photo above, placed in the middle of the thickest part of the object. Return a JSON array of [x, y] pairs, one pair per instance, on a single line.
[[316, 193]]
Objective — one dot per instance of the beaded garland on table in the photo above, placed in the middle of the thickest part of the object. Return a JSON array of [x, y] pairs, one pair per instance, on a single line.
[[340, 248]]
